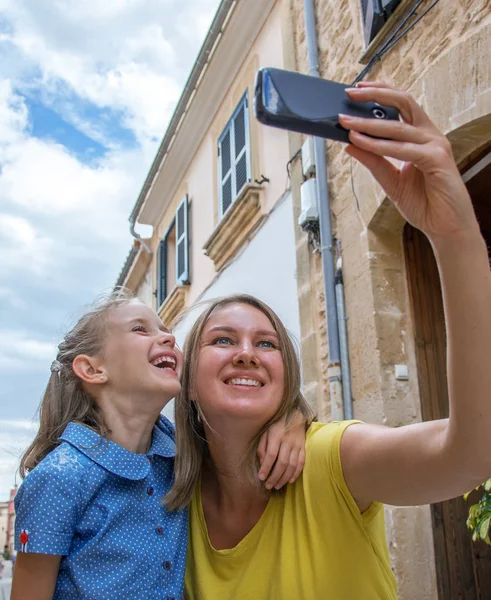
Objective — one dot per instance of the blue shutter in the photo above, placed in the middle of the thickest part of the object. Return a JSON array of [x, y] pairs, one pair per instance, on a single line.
[[234, 161], [242, 162], [225, 172], [182, 243], [162, 272]]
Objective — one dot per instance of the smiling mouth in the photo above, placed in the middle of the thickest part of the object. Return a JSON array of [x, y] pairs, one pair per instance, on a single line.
[[165, 363], [242, 381]]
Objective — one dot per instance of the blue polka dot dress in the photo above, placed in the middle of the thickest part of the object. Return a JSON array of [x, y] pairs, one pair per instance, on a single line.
[[99, 506]]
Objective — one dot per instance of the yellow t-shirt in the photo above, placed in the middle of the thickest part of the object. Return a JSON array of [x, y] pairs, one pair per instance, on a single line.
[[310, 543]]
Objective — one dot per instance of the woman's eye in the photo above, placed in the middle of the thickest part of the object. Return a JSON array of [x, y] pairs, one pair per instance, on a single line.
[[267, 344], [222, 341], [139, 328]]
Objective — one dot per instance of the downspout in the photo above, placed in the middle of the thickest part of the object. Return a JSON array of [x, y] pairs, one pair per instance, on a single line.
[[138, 237], [326, 238], [343, 338]]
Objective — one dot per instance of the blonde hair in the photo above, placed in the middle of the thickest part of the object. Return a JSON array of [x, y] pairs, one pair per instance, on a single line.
[[65, 399], [191, 445]]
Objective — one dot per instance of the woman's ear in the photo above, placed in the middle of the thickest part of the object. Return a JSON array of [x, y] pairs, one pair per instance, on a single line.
[[88, 369]]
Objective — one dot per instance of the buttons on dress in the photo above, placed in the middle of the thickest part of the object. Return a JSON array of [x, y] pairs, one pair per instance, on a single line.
[[150, 491], [167, 565], [159, 530]]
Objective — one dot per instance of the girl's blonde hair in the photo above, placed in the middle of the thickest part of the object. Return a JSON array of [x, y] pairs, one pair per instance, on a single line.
[[65, 399], [191, 445]]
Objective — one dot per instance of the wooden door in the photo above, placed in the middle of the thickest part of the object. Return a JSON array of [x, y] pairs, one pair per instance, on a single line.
[[463, 567]]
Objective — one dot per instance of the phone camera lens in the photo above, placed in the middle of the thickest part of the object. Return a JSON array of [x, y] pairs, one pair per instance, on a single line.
[[379, 113]]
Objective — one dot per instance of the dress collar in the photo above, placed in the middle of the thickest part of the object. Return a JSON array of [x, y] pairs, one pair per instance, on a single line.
[[116, 459]]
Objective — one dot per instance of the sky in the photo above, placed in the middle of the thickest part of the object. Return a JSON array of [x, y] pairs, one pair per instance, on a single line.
[[86, 91]]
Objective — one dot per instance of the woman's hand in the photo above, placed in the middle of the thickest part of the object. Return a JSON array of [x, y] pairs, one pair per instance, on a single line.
[[284, 447], [427, 188]]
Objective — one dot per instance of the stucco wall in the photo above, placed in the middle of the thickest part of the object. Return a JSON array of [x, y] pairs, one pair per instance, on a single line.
[[445, 62], [266, 268], [269, 155]]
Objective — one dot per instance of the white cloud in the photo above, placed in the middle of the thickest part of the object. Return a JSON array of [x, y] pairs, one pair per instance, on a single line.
[[120, 54], [15, 436], [101, 66]]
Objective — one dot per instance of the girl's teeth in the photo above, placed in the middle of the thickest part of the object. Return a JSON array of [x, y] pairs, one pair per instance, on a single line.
[[169, 362]]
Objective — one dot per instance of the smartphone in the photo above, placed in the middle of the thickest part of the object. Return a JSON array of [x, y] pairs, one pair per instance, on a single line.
[[309, 105]]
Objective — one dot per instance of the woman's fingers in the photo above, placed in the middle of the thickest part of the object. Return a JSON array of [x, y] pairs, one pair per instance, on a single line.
[[381, 128], [300, 466], [284, 468], [267, 452], [404, 151], [408, 108]]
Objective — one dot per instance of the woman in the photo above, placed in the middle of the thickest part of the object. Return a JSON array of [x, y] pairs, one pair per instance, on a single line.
[[324, 536]]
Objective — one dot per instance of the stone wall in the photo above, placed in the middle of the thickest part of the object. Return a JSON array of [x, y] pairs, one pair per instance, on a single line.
[[445, 62]]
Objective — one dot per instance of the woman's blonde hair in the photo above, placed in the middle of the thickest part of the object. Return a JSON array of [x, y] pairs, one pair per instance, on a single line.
[[191, 445], [65, 399]]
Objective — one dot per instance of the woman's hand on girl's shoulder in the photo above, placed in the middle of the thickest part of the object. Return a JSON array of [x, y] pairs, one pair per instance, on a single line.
[[281, 452]]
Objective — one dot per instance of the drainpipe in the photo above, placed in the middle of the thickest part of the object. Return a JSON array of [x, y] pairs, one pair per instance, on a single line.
[[343, 337], [326, 239], [138, 237]]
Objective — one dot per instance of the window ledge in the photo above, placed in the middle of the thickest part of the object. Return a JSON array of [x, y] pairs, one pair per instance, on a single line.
[[379, 40], [243, 216], [173, 304]]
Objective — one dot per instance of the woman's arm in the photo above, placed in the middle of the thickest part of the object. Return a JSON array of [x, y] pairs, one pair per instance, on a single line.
[[432, 461], [35, 576]]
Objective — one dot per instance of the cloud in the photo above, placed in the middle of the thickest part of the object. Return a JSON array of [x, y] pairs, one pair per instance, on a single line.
[[128, 55], [15, 436], [19, 348], [110, 72]]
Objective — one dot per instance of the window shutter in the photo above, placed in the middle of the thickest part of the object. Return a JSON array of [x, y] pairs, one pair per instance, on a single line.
[[375, 14], [225, 167], [373, 19], [162, 272], [182, 243], [234, 163], [241, 147]]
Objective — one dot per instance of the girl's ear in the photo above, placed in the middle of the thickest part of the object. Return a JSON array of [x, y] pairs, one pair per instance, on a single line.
[[88, 369]]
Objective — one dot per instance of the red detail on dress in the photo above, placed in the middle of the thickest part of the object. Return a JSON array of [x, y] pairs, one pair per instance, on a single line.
[[24, 537]]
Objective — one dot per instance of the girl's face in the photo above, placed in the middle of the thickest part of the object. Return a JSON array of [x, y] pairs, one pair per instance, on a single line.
[[240, 369], [139, 354]]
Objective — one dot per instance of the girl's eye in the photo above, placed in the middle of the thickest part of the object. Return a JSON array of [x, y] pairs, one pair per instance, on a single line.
[[267, 344], [139, 328]]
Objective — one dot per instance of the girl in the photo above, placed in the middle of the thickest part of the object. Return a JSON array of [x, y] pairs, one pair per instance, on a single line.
[[90, 521], [324, 536]]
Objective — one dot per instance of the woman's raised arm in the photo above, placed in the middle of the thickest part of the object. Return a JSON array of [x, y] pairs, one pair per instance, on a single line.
[[432, 461]]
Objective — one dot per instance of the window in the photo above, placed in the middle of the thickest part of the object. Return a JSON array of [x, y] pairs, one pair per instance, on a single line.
[[375, 14], [173, 254], [234, 161]]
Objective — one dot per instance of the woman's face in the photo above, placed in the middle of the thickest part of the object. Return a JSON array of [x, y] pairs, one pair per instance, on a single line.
[[240, 369]]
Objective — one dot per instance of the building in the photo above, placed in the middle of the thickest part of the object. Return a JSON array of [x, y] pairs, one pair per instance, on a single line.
[[10, 532], [224, 214], [392, 296], [217, 194], [4, 520]]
